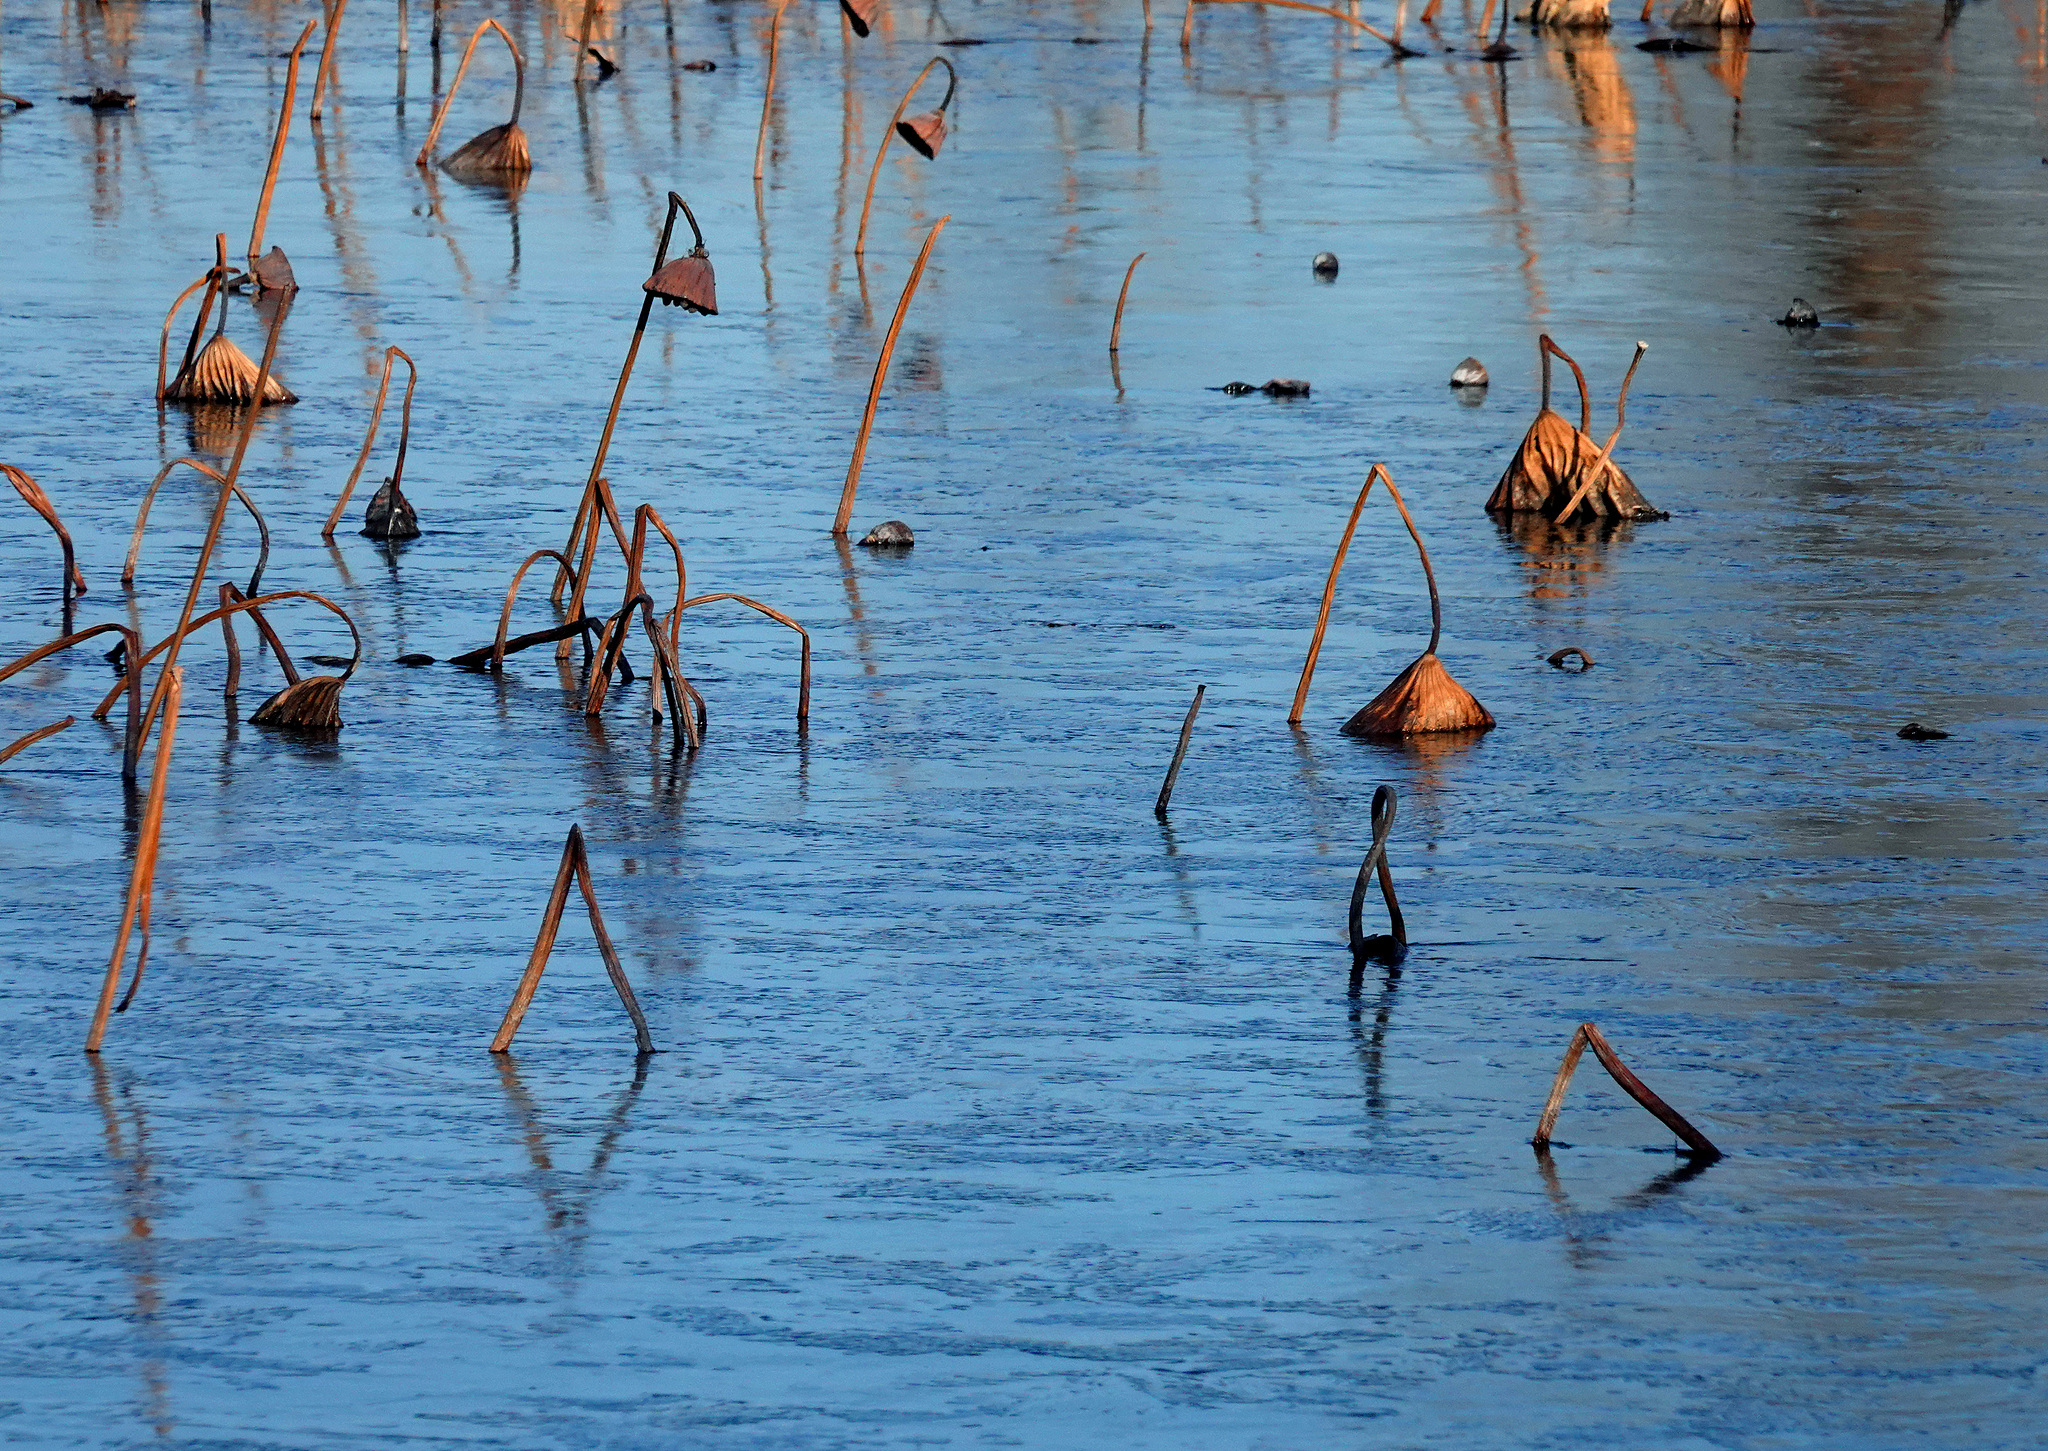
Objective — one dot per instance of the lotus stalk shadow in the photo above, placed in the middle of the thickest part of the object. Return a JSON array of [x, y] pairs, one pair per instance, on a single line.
[[390, 516], [575, 865], [142, 876], [72, 581], [274, 273], [867, 418], [1697, 1144], [500, 151], [924, 134], [128, 566], [1393, 44]]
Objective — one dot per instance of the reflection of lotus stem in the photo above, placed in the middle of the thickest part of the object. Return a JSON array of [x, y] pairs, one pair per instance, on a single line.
[[326, 71], [1187, 27], [1633, 1086], [1116, 329], [768, 96], [860, 241], [284, 127], [576, 864], [142, 878], [32, 494], [131, 740], [867, 418], [149, 498], [376, 416], [1603, 462], [583, 38], [1180, 754], [1315, 644], [448, 101]]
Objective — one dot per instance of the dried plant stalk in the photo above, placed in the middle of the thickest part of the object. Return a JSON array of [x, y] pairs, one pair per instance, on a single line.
[[284, 127], [72, 582], [149, 498], [576, 863], [1187, 27], [1570, 14], [238, 606], [1315, 643], [212, 281], [1384, 805], [131, 740], [142, 879], [867, 418], [768, 93], [889, 132], [803, 693], [233, 646], [1180, 753], [324, 74], [1604, 469], [370, 438], [494, 654], [1116, 328], [1588, 1035], [40, 733], [500, 149], [1558, 466]]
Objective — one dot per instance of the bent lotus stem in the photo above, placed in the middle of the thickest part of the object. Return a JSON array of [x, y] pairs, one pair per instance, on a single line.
[[1116, 328], [860, 241], [803, 694], [1180, 754], [1603, 461], [1436, 608], [40, 733], [370, 438], [212, 281], [1187, 27], [131, 739], [1315, 644], [867, 418], [32, 494], [325, 73], [590, 9], [499, 647], [1548, 349], [448, 101], [768, 95], [142, 877], [1384, 805], [605, 507], [230, 597], [1589, 1036], [284, 127], [149, 498], [575, 865], [252, 607]]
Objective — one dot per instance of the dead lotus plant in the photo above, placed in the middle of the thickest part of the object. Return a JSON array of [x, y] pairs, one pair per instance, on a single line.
[[1558, 467], [390, 515], [575, 866], [1697, 1144], [220, 372], [924, 134], [149, 497], [1423, 698], [32, 494], [867, 418], [131, 739], [500, 151], [1392, 946], [311, 702], [142, 876]]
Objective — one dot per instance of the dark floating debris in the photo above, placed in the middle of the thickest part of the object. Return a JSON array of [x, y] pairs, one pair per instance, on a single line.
[[1470, 374], [1086, 40], [1180, 753], [415, 660], [332, 662], [390, 515], [606, 66], [1378, 947], [1273, 388], [860, 14], [20, 104], [969, 40], [700, 65], [103, 99], [1672, 45], [1697, 1143], [272, 273], [1799, 314], [1912, 730], [1558, 657], [893, 535], [1325, 265]]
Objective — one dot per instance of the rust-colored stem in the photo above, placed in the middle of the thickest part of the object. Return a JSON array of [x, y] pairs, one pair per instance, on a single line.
[[576, 864], [143, 876], [284, 128], [1180, 753], [1384, 805], [32, 494], [149, 498], [803, 694], [1315, 644], [1549, 348], [590, 8], [860, 241], [867, 418], [131, 741], [1588, 1035], [448, 102], [370, 438], [1436, 609], [40, 733], [325, 74], [240, 606], [1603, 461], [1116, 328]]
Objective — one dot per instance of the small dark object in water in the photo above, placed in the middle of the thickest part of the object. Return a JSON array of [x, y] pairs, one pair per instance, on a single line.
[[1912, 730], [1286, 388], [1558, 658], [1800, 314], [103, 99], [332, 662], [1500, 50], [700, 65], [273, 273], [21, 105], [118, 658], [1470, 374], [893, 535], [860, 14], [1235, 390], [390, 515], [1672, 45], [1378, 947], [1086, 40], [414, 660], [1324, 265], [606, 66], [971, 41]]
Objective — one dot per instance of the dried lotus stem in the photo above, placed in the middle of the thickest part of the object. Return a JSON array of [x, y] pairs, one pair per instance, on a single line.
[[40, 733], [1603, 461], [576, 864], [325, 73], [370, 438], [149, 498], [212, 281], [1315, 644], [1384, 805], [255, 613], [142, 879], [867, 418], [1696, 1142], [234, 646], [803, 696], [1180, 754], [284, 127], [1187, 28], [32, 494], [499, 647], [860, 240], [131, 740], [237, 607], [1116, 329], [501, 148]]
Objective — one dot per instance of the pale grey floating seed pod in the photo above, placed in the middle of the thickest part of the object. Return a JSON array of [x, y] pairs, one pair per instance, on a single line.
[[1469, 374]]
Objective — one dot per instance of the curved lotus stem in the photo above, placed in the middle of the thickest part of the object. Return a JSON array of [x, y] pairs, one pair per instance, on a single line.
[[642, 517], [1603, 460], [768, 95], [32, 494], [448, 101], [1187, 27], [284, 127], [242, 606], [1547, 348], [497, 660], [860, 241], [40, 733], [370, 438], [149, 498], [867, 418], [325, 72], [1384, 805], [1315, 644], [604, 506], [1116, 329], [131, 742], [211, 280], [142, 878], [1436, 609], [803, 700]]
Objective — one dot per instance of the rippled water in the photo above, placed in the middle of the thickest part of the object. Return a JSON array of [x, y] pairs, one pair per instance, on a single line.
[[992, 1110]]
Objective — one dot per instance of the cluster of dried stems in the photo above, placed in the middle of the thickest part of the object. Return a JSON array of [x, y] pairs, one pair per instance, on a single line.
[[1558, 468]]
